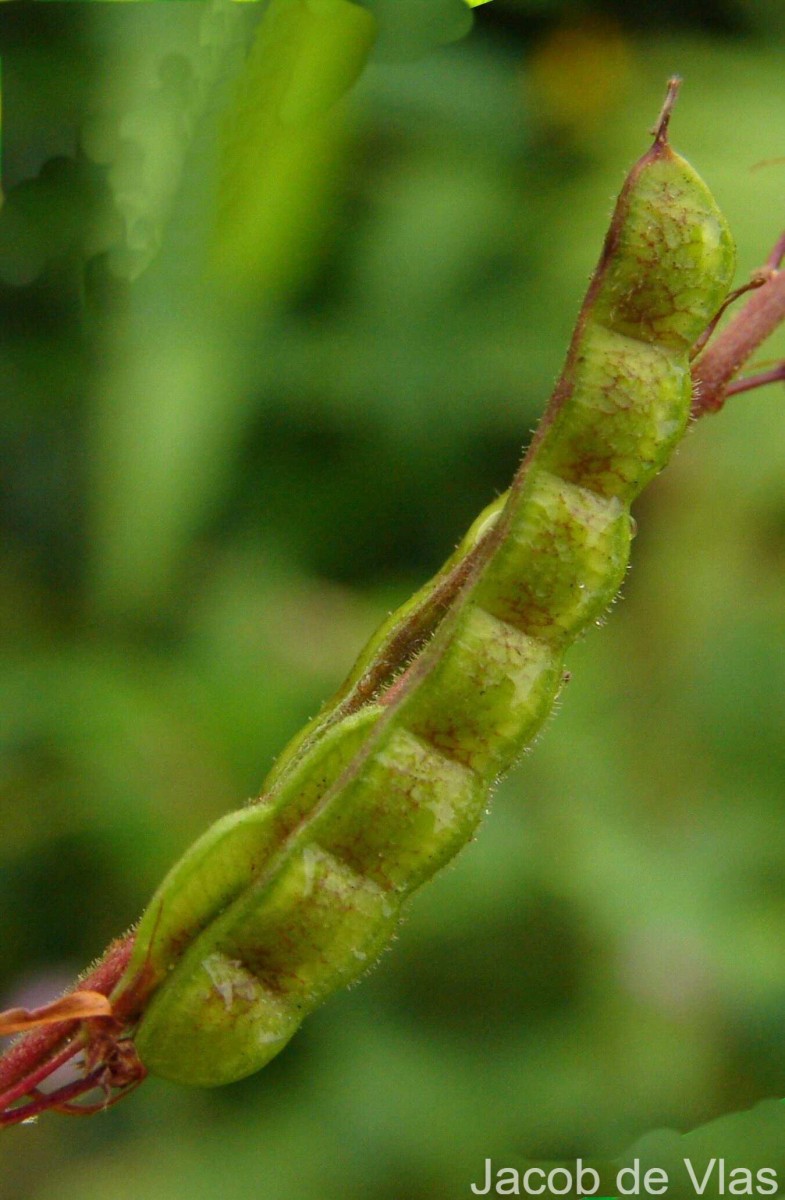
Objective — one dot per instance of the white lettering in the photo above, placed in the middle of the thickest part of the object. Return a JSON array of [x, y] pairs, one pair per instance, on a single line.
[[767, 1181], [534, 1191], [552, 1186], [700, 1188], [654, 1176], [580, 1179], [635, 1183], [513, 1180], [740, 1182], [483, 1191]]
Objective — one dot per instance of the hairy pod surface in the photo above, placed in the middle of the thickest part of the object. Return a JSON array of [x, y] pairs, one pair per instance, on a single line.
[[280, 904]]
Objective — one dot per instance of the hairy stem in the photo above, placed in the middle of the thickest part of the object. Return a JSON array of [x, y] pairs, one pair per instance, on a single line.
[[35, 1055]]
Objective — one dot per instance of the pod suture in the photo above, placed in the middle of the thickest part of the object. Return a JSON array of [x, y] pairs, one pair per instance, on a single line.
[[294, 896]]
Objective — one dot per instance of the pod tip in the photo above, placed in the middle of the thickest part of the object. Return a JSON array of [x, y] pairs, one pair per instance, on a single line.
[[660, 130]]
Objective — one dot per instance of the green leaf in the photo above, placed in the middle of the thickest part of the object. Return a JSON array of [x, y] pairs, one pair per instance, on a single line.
[[411, 28]]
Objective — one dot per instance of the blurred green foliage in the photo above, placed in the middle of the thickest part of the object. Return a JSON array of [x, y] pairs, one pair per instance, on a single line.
[[211, 493]]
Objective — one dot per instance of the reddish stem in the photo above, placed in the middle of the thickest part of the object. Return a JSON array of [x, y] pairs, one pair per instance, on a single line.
[[757, 281], [777, 254], [30, 1081], [715, 369], [47, 1100], [749, 382], [38, 1053]]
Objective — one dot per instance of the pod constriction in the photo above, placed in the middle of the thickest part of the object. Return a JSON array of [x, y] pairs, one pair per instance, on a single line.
[[280, 904]]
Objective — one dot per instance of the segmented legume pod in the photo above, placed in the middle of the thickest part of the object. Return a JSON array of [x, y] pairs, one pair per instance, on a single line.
[[294, 896]]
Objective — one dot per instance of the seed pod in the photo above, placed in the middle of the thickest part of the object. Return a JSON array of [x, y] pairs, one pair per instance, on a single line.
[[280, 904]]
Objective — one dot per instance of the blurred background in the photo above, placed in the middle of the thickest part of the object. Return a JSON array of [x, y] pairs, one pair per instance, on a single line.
[[260, 368]]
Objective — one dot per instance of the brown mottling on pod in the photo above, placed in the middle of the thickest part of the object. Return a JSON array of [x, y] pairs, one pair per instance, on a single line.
[[296, 896]]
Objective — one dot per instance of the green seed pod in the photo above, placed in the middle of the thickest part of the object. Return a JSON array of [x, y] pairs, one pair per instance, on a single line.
[[280, 904]]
